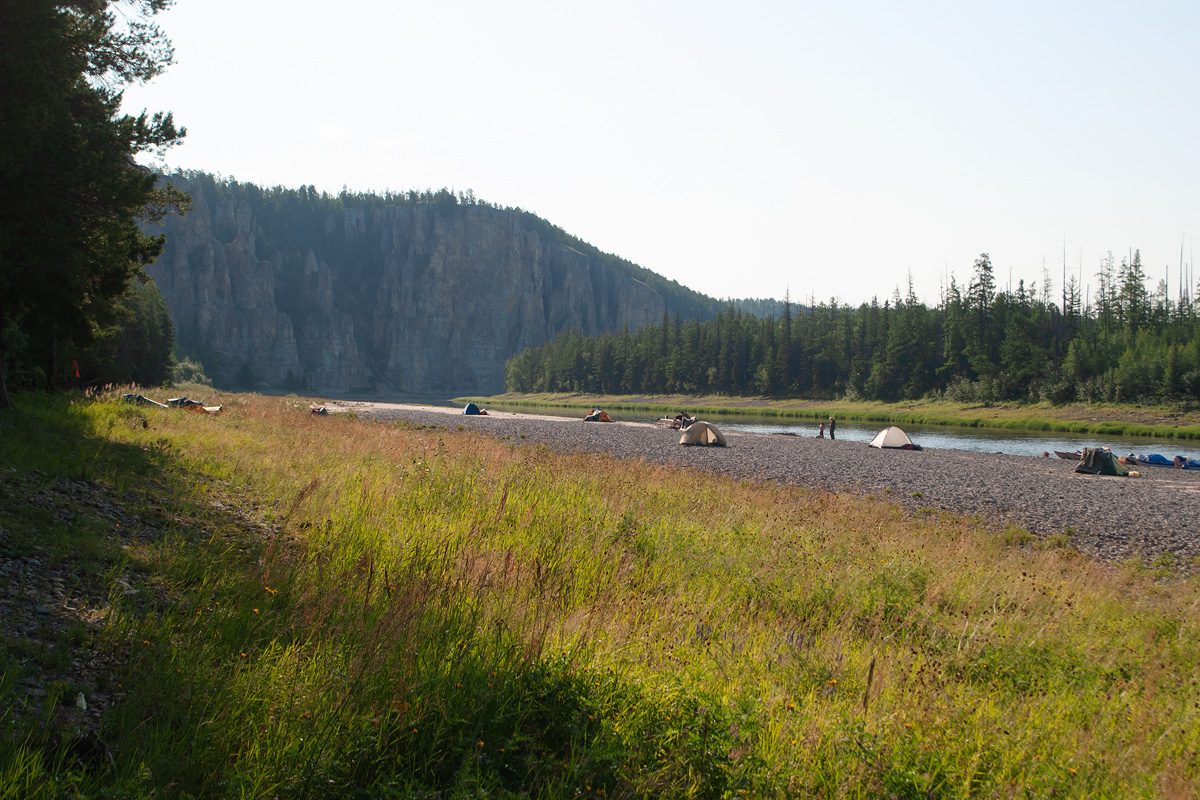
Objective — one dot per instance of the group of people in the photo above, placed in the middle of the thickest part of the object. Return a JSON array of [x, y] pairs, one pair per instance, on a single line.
[[832, 428], [682, 420]]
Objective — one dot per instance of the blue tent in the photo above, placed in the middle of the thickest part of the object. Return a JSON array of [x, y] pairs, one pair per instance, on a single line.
[[471, 409]]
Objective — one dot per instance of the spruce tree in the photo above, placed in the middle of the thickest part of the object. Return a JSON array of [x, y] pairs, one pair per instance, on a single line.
[[71, 193]]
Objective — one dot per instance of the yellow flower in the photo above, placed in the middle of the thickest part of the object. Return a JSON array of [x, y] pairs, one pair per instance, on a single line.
[[256, 611]]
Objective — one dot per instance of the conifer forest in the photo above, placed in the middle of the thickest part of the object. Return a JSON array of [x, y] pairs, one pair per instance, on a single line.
[[1122, 343]]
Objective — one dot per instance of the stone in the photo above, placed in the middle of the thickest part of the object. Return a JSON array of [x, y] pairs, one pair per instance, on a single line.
[[394, 299]]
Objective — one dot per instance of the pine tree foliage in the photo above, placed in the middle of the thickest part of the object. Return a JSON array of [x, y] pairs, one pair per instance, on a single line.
[[980, 345], [71, 193]]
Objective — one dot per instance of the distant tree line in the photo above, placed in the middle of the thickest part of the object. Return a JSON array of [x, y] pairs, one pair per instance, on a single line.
[[977, 344]]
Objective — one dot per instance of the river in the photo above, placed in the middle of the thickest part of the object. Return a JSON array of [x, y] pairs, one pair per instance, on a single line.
[[943, 437]]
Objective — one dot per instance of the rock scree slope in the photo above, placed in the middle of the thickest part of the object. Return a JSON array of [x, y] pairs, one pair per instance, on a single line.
[[298, 291]]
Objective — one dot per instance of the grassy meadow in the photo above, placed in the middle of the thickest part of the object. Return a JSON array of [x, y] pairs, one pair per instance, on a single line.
[[329, 606], [1099, 418]]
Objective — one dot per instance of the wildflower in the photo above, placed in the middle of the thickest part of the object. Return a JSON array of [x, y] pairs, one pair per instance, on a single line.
[[1073, 772], [480, 744], [256, 611], [791, 707], [146, 642]]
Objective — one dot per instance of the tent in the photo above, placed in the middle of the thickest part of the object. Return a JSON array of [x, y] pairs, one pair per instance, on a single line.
[[472, 410], [703, 433], [893, 438], [1096, 461], [598, 415]]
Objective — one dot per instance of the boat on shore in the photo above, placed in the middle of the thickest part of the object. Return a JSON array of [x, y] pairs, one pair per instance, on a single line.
[[1159, 460], [1069, 456]]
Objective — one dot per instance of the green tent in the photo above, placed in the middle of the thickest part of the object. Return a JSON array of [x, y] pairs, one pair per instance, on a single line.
[[1100, 462]]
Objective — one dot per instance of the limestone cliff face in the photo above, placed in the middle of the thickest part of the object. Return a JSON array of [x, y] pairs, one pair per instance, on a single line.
[[423, 297]]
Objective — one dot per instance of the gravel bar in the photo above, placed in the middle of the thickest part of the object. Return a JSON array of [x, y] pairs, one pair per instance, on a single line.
[[1113, 518]]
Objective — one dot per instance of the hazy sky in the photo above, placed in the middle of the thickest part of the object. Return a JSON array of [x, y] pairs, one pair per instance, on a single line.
[[744, 149]]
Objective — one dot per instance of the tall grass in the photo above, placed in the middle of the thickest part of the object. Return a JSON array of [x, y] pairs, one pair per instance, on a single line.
[[352, 606]]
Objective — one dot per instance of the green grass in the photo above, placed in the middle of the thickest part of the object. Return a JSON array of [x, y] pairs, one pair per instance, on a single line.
[[334, 606], [1107, 420]]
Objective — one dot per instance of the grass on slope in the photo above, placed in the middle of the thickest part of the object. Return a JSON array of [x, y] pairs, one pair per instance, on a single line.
[[333, 606]]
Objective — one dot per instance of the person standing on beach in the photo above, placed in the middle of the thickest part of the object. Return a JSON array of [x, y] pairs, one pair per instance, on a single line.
[[832, 425], [821, 431]]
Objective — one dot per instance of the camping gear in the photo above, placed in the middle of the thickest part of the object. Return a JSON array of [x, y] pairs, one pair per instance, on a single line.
[[472, 410], [142, 400], [893, 438], [704, 434], [1095, 461], [598, 415], [193, 405], [201, 409], [1158, 460]]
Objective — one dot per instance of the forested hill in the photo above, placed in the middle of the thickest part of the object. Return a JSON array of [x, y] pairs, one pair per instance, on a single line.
[[408, 292], [976, 345]]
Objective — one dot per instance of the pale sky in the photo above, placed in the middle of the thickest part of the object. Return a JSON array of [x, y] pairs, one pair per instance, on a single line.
[[744, 149]]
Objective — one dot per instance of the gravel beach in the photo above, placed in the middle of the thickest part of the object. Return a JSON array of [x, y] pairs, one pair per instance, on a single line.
[[1113, 518]]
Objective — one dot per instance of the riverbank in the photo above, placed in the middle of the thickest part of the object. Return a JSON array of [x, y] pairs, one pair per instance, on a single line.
[[1151, 517], [273, 602], [1080, 418]]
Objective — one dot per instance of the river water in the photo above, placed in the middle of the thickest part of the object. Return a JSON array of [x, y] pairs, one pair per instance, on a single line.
[[1021, 443]]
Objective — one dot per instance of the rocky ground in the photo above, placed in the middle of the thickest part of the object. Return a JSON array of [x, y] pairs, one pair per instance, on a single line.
[[54, 593], [1154, 516], [66, 554]]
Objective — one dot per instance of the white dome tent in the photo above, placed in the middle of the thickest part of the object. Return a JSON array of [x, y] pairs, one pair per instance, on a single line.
[[704, 434], [893, 438]]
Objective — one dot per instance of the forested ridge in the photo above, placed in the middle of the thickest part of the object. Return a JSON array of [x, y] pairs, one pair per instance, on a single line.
[[291, 221], [977, 344]]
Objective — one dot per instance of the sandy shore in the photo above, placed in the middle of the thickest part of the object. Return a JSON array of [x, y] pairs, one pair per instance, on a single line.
[[1108, 517]]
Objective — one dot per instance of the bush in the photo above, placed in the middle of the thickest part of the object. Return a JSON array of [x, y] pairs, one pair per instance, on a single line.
[[188, 371]]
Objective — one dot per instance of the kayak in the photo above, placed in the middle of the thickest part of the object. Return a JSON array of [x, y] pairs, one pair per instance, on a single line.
[[1069, 456], [1159, 460]]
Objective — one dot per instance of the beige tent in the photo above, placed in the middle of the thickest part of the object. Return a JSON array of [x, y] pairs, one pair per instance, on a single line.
[[702, 433], [893, 438]]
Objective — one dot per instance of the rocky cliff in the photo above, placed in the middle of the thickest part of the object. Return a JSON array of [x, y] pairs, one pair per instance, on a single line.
[[290, 289]]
